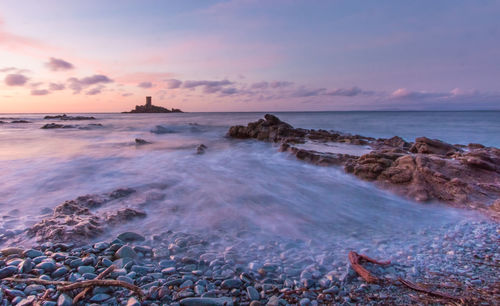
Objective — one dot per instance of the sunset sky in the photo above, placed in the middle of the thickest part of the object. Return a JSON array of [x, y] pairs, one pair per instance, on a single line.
[[106, 56]]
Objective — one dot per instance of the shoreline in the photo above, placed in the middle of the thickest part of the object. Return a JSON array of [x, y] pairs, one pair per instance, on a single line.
[[179, 269], [188, 268]]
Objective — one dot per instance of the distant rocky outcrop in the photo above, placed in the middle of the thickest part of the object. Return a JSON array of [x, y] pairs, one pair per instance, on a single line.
[[425, 170], [150, 108], [57, 126], [65, 117]]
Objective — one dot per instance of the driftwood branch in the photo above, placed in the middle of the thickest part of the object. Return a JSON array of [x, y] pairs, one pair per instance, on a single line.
[[36, 281], [429, 292], [355, 260], [66, 286], [103, 283], [102, 275]]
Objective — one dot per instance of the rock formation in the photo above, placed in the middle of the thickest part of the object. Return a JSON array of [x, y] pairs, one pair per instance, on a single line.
[[65, 117], [74, 220], [426, 170], [150, 108]]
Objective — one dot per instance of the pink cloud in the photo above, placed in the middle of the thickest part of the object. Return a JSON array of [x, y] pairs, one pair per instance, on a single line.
[[56, 64], [15, 80]]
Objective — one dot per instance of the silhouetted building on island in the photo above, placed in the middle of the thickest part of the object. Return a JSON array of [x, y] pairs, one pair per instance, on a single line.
[[150, 108]]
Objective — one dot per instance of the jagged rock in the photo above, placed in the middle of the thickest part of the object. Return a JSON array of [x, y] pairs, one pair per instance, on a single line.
[[57, 126], [139, 141], [426, 145], [201, 149], [429, 169], [20, 121], [74, 220], [65, 117]]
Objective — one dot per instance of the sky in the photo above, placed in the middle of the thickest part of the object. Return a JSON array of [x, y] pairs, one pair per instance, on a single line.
[[249, 55]]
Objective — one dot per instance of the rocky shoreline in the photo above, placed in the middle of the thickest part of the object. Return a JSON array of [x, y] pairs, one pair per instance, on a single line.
[[424, 170], [68, 254], [174, 268]]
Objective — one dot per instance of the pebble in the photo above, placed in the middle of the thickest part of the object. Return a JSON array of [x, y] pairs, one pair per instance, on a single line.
[[32, 253], [85, 269], [252, 293], [125, 252], [133, 302], [223, 301], [131, 237], [231, 283], [100, 297]]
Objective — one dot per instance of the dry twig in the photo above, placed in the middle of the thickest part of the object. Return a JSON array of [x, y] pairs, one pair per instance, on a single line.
[[103, 283], [429, 292]]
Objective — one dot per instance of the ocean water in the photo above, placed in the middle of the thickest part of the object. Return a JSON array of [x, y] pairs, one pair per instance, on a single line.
[[237, 186]]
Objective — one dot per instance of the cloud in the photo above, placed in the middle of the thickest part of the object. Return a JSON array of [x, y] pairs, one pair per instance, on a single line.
[[127, 94], [260, 85], [194, 84], [15, 80], [228, 91], [280, 84], [145, 85], [8, 69], [349, 92], [56, 86], [78, 84], [39, 92], [57, 64], [95, 91], [405, 94], [173, 83], [208, 86], [303, 92]]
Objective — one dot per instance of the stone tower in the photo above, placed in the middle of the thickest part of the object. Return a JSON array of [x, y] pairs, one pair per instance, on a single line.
[[148, 102]]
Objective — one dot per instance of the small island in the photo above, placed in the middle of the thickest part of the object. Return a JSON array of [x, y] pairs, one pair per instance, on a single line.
[[150, 108]]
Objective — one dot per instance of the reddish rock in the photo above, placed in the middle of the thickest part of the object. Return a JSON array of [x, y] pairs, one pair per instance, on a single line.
[[427, 170]]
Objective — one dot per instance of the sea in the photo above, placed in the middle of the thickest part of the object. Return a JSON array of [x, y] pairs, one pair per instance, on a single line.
[[235, 187]]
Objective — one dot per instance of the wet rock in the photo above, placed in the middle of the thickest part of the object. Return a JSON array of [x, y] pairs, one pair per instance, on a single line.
[[125, 252], [201, 149], [34, 289], [426, 145], [426, 170], [133, 302], [60, 272], [223, 301], [253, 294], [7, 271], [26, 266], [100, 297], [31, 253], [231, 283], [85, 269], [47, 266], [161, 130], [11, 251], [130, 237], [74, 220], [57, 126], [139, 141], [27, 301], [65, 117], [64, 300]]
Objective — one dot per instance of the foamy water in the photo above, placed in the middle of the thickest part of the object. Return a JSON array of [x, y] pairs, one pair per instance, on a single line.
[[238, 190]]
